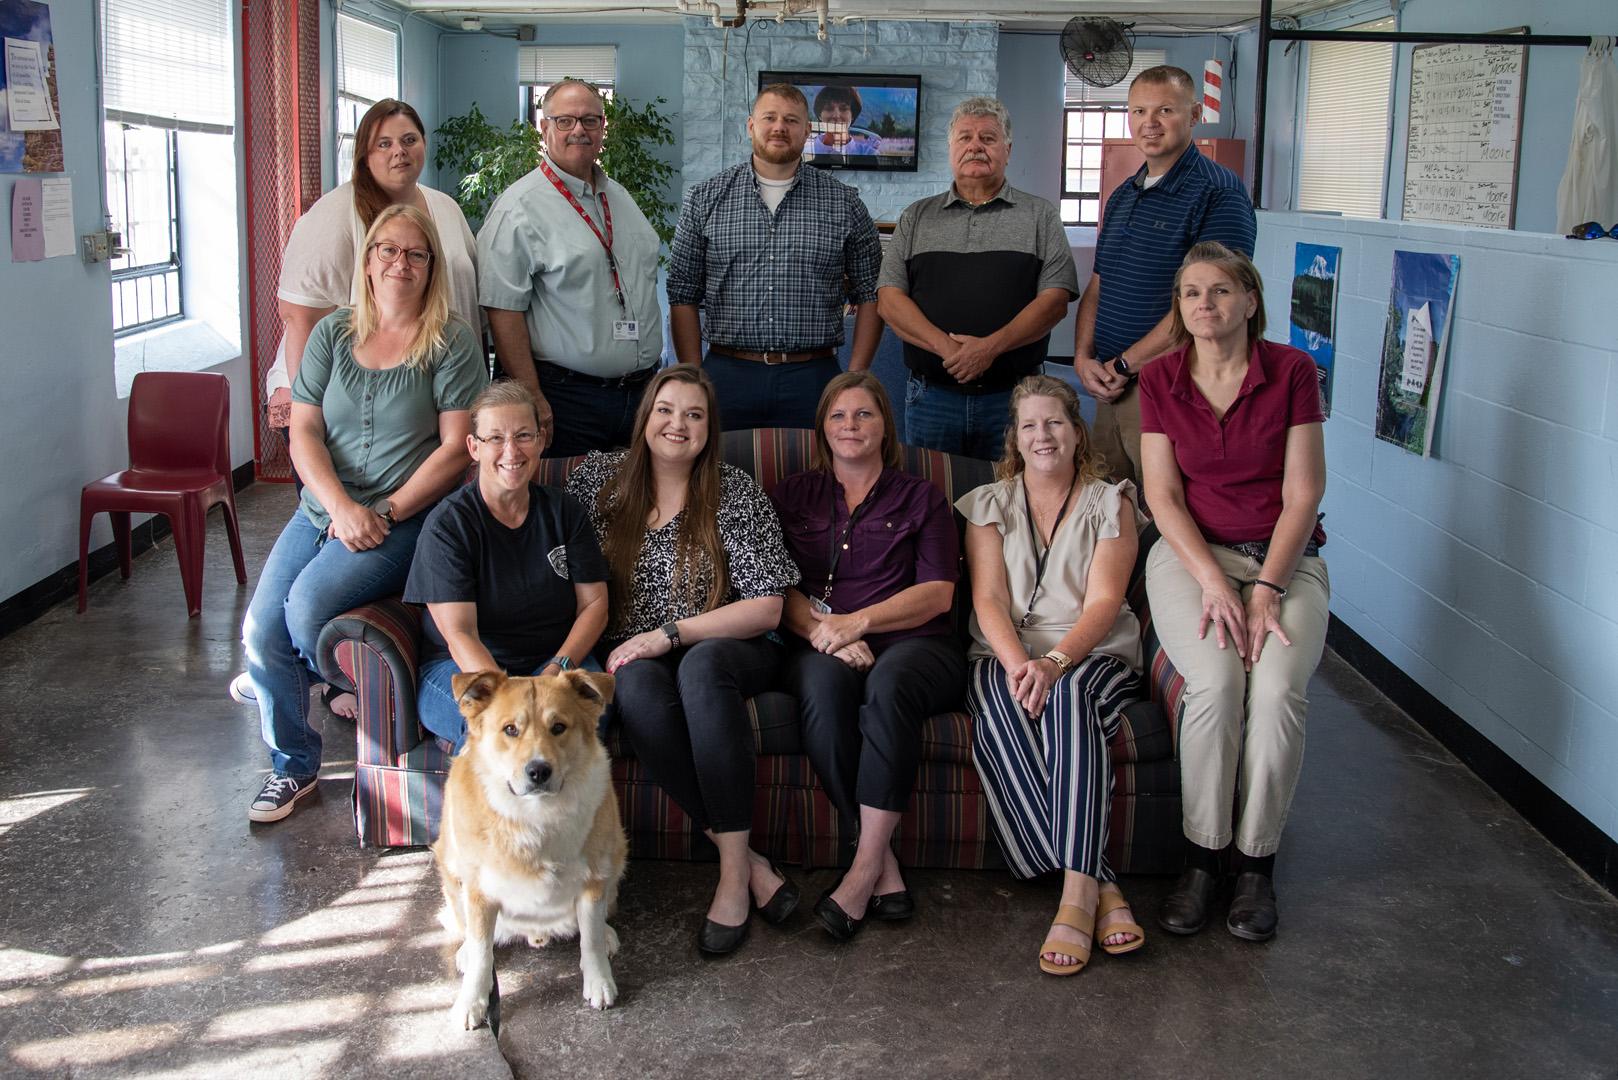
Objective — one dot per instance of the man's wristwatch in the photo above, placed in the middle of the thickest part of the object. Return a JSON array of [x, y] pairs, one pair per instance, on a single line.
[[1061, 659], [671, 630], [1121, 365], [384, 510]]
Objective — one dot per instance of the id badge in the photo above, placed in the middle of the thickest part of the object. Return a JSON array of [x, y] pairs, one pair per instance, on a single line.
[[626, 330], [820, 606]]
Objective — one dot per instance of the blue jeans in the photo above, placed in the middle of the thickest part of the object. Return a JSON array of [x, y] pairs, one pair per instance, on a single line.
[[588, 417], [755, 395], [307, 582], [956, 423], [435, 700]]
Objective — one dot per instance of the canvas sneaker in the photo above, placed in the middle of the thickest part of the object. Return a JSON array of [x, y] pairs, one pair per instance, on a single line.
[[279, 796], [241, 689]]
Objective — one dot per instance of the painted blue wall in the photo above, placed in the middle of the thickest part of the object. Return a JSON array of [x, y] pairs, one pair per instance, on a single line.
[[62, 424]]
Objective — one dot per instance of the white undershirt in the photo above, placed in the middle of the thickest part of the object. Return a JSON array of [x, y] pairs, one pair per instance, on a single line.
[[1151, 181], [773, 191]]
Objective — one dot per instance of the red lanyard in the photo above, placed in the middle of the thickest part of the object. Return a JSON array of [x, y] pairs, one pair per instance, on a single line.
[[606, 215]]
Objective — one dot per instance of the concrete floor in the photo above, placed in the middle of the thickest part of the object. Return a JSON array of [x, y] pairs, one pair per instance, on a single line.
[[147, 930]]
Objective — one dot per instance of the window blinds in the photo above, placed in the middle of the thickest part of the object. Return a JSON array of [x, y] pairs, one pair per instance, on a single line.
[[367, 60], [1343, 137], [1075, 91], [168, 63], [545, 65]]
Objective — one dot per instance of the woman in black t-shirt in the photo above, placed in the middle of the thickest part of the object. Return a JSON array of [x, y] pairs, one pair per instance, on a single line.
[[510, 571]]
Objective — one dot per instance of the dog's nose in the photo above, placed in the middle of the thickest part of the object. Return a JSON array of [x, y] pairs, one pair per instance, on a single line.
[[539, 771]]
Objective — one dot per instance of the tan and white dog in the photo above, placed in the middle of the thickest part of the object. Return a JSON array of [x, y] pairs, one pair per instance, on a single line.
[[531, 844]]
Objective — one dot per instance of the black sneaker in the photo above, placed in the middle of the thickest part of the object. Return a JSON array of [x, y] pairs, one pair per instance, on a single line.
[[279, 795]]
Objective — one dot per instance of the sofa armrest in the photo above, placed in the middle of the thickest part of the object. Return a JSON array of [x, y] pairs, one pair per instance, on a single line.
[[374, 650]]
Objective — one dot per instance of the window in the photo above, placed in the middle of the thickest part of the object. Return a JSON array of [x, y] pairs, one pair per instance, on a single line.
[[1094, 114], [367, 72], [1343, 134], [540, 67], [144, 205], [166, 68]]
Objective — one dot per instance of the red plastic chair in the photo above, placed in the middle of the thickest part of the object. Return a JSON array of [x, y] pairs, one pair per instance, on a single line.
[[179, 466]]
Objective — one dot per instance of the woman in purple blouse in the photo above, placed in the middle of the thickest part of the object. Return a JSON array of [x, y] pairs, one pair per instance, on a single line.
[[875, 653]]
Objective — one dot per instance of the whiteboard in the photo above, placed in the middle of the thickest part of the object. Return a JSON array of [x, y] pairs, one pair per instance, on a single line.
[[1465, 128]]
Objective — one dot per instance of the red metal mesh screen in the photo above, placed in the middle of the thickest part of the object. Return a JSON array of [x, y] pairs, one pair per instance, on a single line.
[[281, 92]]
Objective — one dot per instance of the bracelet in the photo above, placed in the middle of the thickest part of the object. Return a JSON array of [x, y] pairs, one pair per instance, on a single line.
[[1280, 592], [563, 663]]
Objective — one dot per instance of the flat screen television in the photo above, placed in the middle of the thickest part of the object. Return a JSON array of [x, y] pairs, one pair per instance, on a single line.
[[858, 121]]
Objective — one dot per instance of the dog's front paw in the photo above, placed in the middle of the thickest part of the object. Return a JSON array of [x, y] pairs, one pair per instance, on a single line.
[[468, 1012], [599, 989]]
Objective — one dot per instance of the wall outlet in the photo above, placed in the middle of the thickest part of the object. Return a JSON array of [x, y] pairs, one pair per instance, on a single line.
[[102, 246]]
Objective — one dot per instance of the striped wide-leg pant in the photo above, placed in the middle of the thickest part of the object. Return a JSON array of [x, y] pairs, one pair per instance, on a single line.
[[1049, 780]]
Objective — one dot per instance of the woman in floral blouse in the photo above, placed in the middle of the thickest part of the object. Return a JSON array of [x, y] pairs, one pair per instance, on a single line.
[[698, 572]]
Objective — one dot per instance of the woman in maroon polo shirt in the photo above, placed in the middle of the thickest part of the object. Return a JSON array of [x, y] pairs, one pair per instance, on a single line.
[[876, 655], [1235, 467]]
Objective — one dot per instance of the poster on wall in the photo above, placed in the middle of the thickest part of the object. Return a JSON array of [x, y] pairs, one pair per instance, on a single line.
[[1413, 348], [30, 126], [1314, 310]]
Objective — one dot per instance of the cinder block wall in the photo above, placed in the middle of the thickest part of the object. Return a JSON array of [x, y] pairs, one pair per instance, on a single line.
[[955, 60], [1489, 572]]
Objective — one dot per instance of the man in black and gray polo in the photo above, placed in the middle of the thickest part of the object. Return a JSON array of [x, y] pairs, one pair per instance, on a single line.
[[769, 250], [972, 281]]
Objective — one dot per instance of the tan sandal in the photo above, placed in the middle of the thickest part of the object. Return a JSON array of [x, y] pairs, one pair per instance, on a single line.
[[1074, 918], [1108, 903]]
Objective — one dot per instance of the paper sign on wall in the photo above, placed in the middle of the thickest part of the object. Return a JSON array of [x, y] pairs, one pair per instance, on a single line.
[[1418, 349], [56, 216], [28, 101], [27, 228]]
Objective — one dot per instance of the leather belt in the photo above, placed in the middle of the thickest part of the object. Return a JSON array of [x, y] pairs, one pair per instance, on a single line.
[[771, 357], [562, 374]]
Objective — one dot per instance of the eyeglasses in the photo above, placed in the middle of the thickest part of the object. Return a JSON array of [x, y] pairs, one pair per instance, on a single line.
[[522, 440], [1592, 230], [389, 253], [591, 122]]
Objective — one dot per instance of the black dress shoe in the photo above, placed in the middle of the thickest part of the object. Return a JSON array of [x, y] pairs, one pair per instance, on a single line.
[[891, 907], [783, 903], [717, 939], [1185, 910], [838, 923], [1252, 910]]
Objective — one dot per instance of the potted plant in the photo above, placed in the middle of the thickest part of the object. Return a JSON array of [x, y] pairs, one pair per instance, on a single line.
[[490, 159]]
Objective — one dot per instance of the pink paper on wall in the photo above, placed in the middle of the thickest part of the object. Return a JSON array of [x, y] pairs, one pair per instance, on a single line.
[[27, 221]]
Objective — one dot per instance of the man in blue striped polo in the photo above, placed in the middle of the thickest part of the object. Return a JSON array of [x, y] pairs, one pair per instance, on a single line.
[[1177, 199]]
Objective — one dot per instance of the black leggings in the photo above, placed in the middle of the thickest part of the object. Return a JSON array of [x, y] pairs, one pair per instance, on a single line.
[[862, 730], [686, 717]]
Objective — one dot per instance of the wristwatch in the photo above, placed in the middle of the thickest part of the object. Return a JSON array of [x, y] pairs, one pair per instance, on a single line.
[[563, 663], [671, 630], [384, 510], [1121, 366], [1061, 659]]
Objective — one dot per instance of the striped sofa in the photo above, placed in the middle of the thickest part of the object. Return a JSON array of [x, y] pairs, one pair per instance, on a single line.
[[400, 769]]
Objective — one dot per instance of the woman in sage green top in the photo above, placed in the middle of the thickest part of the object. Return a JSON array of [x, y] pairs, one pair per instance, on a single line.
[[379, 426]]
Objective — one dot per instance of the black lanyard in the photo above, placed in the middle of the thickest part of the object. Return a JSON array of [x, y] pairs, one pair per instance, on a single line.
[[1041, 557], [839, 544]]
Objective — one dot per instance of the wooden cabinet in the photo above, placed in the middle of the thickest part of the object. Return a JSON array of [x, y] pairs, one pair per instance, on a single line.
[[1120, 159]]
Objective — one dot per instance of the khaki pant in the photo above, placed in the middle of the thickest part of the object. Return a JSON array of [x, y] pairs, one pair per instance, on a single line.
[[1235, 720], [1117, 436]]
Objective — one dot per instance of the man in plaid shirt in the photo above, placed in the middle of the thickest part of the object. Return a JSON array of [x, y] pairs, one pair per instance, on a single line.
[[769, 251]]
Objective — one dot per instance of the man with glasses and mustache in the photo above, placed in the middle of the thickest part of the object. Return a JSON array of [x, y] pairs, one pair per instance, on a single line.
[[567, 271], [769, 251], [973, 280]]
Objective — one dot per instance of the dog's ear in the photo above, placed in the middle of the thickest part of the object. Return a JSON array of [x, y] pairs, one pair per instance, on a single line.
[[474, 691], [592, 685]]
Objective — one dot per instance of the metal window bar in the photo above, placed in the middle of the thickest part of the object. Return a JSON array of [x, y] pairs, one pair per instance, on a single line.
[[145, 295]]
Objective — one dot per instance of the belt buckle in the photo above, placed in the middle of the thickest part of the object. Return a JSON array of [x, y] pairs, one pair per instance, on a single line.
[[781, 354]]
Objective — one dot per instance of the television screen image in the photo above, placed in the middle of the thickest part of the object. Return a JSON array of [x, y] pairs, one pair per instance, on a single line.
[[857, 121]]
